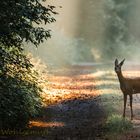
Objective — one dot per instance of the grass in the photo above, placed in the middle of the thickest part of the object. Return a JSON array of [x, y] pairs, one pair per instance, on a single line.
[[115, 124], [112, 101]]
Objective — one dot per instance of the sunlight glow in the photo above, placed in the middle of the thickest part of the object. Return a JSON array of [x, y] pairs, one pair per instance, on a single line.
[[108, 91], [106, 82], [103, 73], [45, 124], [132, 73]]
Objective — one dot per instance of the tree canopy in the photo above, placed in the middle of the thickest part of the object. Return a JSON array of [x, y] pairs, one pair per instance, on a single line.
[[18, 20]]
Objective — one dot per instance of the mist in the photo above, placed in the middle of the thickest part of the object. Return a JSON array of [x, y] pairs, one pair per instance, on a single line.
[[92, 31], [80, 90]]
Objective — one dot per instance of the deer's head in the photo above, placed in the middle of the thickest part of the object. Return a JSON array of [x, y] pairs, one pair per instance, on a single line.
[[118, 65]]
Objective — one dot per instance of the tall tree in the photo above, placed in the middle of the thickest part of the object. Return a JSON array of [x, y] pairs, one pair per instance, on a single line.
[[18, 20], [19, 91]]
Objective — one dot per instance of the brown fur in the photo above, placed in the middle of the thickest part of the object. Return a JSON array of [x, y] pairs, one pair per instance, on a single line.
[[129, 86]]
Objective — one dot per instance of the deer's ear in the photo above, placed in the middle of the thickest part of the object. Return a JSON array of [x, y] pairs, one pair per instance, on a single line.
[[122, 62], [116, 62]]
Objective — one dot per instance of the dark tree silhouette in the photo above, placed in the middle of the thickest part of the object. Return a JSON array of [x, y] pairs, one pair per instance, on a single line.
[[18, 20], [19, 90]]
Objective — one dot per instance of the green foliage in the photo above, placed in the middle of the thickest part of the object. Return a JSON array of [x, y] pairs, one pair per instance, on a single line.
[[19, 91], [117, 124], [19, 20]]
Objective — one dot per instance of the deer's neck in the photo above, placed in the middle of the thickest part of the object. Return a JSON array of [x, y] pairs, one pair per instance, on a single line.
[[121, 78]]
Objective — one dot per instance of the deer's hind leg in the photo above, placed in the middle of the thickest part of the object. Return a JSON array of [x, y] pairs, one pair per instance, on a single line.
[[125, 100], [131, 100]]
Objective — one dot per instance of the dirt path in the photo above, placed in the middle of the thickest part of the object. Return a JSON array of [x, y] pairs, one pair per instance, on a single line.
[[82, 99], [75, 111], [79, 100]]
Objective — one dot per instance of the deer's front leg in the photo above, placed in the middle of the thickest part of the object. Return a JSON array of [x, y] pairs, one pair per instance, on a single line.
[[125, 100], [131, 100]]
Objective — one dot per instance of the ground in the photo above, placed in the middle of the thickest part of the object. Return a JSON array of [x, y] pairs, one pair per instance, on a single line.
[[78, 101]]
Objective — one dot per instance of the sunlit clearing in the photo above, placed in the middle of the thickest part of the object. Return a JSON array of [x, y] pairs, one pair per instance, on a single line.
[[132, 73], [108, 91], [103, 73], [42, 124], [105, 82], [62, 88]]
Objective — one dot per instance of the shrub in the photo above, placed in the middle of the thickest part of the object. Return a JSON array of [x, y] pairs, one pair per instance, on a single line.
[[117, 124], [19, 90]]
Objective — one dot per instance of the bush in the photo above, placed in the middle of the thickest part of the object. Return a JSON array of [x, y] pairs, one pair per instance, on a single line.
[[117, 124], [19, 90]]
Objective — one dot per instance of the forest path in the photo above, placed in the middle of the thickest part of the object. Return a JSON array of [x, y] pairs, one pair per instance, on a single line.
[[74, 109], [79, 99]]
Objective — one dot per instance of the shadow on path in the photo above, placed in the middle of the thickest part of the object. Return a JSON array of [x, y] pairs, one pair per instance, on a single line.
[[79, 119]]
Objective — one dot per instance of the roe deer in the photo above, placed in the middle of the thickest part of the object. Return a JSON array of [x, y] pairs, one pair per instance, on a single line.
[[128, 86]]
